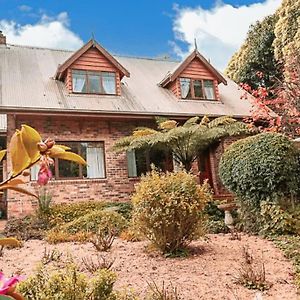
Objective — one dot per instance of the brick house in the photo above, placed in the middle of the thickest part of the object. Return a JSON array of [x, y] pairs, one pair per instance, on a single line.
[[89, 99]]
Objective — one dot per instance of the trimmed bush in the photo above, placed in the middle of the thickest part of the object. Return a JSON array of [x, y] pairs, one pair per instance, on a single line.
[[167, 209], [85, 226], [259, 168]]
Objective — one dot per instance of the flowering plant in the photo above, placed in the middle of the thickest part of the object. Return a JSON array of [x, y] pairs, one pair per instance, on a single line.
[[26, 149], [7, 287]]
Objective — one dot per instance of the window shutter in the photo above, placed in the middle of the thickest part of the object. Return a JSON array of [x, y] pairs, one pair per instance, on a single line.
[[131, 164]]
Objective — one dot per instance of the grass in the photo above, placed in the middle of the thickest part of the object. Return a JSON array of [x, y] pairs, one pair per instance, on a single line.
[[290, 245]]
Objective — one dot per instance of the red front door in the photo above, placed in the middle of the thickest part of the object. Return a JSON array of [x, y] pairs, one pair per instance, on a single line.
[[204, 167]]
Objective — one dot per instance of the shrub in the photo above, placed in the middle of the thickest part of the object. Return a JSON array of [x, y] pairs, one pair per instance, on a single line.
[[259, 168], [167, 209], [68, 212], [29, 227], [85, 226], [68, 284], [215, 218], [123, 208]]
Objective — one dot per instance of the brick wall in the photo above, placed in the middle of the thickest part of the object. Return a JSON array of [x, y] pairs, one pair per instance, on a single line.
[[115, 187]]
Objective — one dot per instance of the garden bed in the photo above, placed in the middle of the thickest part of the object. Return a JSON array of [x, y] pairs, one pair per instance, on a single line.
[[207, 273]]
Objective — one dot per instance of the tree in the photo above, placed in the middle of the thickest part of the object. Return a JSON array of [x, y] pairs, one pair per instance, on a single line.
[[287, 29], [278, 109], [256, 55], [184, 142]]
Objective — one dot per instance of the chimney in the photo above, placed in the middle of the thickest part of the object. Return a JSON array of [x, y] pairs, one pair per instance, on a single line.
[[2, 38]]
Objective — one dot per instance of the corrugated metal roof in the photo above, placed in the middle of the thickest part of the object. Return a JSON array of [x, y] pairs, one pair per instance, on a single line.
[[3, 125], [26, 82]]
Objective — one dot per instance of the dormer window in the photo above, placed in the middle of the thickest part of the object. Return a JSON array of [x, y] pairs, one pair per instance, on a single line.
[[89, 82], [197, 89]]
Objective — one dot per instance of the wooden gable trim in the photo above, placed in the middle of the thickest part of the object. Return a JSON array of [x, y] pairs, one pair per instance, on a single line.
[[92, 43], [195, 54]]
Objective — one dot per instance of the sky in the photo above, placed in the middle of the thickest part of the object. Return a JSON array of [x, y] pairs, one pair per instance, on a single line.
[[143, 28]]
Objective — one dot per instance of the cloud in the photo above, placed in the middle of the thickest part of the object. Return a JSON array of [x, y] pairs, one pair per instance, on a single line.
[[25, 8], [219, 31], [49, 32]]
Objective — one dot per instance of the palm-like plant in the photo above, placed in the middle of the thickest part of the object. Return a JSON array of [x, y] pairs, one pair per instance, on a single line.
[[184, 142]]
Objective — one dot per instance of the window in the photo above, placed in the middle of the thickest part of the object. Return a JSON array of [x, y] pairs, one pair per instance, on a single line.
[[139, 161], [197, 89], [92, 152], [94, 82]]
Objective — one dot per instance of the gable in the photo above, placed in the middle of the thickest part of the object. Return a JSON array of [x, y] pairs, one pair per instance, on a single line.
[[92, 60], [196, 69]]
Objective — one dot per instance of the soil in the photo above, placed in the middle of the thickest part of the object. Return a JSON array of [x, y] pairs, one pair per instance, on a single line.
[[207, 273]]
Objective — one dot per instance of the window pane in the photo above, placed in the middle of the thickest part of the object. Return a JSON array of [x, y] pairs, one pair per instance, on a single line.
[[108, 83], [141, 162], [67, 168], [79, 81], [209, 89], [131, 164], [198, 89], [94, 83], [185, 87], [95, 160]]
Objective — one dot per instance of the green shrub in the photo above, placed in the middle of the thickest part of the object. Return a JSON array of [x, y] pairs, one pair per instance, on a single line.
[[215, 218], [259, 168], [123, 208], [68, 284], [167, 209], [67, 212], [88, 224], [278, 220]]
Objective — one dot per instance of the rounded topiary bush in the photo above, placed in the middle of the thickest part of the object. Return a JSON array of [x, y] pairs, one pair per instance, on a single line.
[[168, 209], [259, 168]]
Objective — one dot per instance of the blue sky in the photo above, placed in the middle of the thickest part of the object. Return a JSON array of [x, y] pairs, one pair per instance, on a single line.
[[150, 28]]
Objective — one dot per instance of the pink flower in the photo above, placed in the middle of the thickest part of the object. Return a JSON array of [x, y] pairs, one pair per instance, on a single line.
[[44, 175], [8, 284]]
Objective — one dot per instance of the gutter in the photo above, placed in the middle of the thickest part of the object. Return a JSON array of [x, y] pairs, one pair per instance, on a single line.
[[97, 113]]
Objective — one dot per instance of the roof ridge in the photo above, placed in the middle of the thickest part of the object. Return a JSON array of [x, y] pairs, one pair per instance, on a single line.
[[113, 54]]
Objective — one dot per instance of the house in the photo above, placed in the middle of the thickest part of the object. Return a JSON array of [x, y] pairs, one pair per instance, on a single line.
[[89, 98]]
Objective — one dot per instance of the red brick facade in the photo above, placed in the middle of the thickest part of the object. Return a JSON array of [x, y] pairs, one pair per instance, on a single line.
[[115, 187]]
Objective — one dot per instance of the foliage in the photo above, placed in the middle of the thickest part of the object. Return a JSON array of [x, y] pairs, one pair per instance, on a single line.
[[67, 212], [252, 273], [215, 218], [26, 148], [44, 200], [51, 256], [25, 228], [276, 219], [263, 167], [287, 28], [8, 242], [167, 209], [184, 141], [277, 109], [162, 293], [256, 55], [290, 245], [123, 208], [68, 284], [100, 263], [87, 225], [56, 237]]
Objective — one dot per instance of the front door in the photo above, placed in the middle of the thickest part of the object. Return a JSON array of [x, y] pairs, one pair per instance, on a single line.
[[204, 167]]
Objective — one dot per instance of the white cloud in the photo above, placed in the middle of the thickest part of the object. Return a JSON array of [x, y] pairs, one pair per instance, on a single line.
[[49, 32], [219, 31], [25, 8]]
